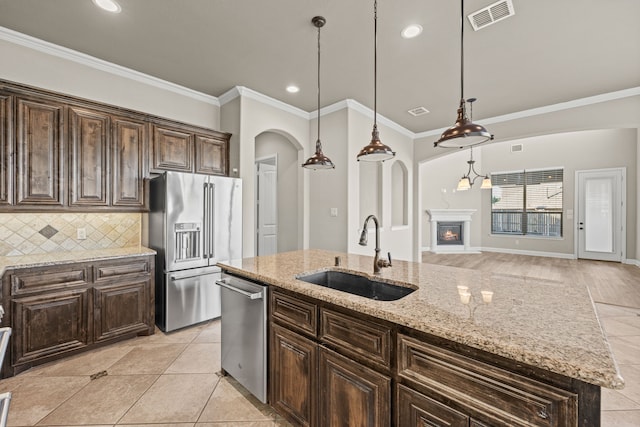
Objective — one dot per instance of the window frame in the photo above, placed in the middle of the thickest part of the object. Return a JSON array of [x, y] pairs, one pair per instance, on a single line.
[[550, 220]]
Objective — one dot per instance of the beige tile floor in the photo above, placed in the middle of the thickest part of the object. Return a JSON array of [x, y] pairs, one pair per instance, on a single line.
[[171, 380]]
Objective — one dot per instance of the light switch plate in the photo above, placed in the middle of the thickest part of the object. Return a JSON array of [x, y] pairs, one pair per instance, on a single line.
[[334, 211]]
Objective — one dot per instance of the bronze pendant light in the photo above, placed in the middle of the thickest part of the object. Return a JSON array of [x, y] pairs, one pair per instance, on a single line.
[[464, 133], [376, 150], [318, 160]]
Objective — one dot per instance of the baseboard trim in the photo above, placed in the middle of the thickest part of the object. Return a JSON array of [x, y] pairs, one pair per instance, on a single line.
[[635, 262], [530, 253]]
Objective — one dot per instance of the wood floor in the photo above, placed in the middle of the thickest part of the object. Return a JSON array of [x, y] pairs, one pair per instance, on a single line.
[[609, 282]]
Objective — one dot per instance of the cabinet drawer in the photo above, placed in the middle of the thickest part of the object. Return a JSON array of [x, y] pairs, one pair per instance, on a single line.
[[110, 270], [364, 340], [299, 315], [415, 409], [37, 280], [499, 397]]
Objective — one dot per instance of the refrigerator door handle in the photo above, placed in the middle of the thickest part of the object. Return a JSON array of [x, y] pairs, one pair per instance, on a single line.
[[205, 224], [250, 295], [210, 233]]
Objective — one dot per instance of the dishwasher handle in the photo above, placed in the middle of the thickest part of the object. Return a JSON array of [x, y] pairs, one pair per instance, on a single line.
[[250, 295]]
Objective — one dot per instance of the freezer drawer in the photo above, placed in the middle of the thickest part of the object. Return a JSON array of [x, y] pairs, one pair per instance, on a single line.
[[244, 333], [190, 297]]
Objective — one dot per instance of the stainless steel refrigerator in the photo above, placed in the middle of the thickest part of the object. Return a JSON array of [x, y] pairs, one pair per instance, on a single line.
[[194, 222]]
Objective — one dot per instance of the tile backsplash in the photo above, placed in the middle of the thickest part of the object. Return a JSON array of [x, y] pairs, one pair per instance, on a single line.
[[38, 233]]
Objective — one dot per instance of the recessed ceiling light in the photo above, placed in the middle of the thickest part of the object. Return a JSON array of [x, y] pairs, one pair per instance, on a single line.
[[293, 89], [108, 5], [411, 31]]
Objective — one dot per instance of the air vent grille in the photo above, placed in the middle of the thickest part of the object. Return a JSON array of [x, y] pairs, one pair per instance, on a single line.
[[491, 14], [418, 111], [516, 148]]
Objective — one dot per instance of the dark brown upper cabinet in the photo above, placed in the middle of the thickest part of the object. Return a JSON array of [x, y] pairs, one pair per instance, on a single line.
[[59, 152], [128, 172], [186, 148], [6, 149], [90, 148], [40, 147], [212, 154], [172, 149]]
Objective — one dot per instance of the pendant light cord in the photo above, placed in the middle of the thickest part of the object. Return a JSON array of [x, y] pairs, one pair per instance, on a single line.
[[375, 63], [461, 49], [318, 83]]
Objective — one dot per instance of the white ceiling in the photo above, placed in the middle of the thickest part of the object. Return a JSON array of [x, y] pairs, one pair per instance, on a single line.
[[551, 51]]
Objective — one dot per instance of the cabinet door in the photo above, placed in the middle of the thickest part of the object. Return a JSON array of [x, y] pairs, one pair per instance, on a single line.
[[40, 146], [49, 324], [212, 155], [293, 382], [172, 149], [120, 309], [352, 394], [6, 150], [89, 158], [128, 169], [418, 410]]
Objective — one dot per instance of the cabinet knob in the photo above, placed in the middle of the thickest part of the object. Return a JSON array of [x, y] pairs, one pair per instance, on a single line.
[[542, 413]]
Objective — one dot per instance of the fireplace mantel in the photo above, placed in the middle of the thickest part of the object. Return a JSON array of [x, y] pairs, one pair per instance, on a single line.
[[451, 215]]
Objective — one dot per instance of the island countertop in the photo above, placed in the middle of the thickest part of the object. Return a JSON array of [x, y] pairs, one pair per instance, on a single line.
[[548, 324]]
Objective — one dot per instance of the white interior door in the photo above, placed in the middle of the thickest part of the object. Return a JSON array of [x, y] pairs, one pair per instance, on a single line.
[[266, 206], [601, 214]]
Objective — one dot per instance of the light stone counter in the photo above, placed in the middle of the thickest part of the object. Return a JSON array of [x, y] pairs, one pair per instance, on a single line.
[[544, 323], [56, 258]]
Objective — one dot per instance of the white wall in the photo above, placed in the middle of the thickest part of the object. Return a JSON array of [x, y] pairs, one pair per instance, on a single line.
[[328, 188], [397, 240], [438, 182], [255, 117], [572, 150], [79, 75], [269, 144]]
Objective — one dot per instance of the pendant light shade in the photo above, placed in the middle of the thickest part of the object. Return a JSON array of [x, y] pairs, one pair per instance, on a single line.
[[375, 151], [464, 133], [318, 160]]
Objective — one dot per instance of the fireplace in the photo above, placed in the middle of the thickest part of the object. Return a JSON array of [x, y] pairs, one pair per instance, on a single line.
[[450, 230], [450, 233]]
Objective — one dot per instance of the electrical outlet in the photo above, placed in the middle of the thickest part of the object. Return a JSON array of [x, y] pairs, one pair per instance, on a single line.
[[334, 211], [81, 233]]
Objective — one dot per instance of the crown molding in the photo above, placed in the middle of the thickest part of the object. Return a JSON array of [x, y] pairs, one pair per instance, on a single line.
[[257, 96], [580, 102], [99, 64]]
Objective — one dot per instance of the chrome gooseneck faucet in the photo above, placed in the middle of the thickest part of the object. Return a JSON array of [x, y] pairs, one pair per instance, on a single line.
[[378, 263]]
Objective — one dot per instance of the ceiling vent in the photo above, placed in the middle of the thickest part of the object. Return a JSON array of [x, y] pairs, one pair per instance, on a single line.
[[418, 111], [516, 148], [491, 14]]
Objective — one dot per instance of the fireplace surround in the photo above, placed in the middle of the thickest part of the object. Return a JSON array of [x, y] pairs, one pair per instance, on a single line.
[[451, 230]]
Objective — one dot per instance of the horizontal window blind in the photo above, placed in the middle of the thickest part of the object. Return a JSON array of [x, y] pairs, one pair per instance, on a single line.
[[527, 202]]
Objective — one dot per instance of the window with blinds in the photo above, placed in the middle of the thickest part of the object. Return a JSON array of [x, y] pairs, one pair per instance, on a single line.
[[527, 202]]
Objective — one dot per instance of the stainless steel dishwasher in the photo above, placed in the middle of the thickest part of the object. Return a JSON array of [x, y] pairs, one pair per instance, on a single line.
[[244, 333]]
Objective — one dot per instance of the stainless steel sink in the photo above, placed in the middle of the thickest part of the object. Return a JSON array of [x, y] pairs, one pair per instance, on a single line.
[[356, 285]]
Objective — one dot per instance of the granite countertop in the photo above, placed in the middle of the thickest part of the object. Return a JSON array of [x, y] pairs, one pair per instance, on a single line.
[[544, 323], [55, 258]]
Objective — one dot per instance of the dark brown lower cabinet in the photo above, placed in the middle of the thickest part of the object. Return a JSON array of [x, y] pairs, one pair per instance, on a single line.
[[59, 310], [293, 384], [344, 369], [418, 410], [52, 323], [352, 395]]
